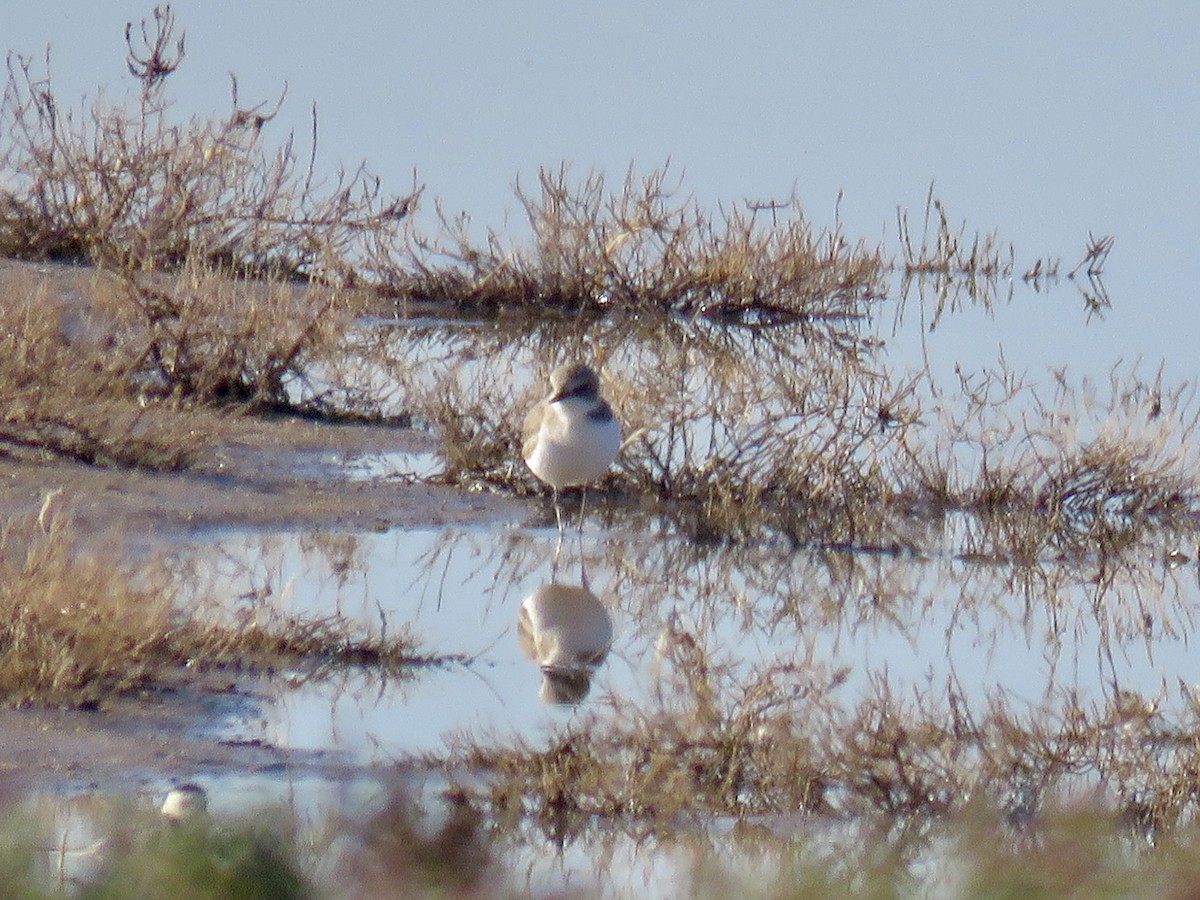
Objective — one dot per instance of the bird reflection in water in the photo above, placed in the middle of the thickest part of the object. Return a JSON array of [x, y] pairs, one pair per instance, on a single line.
[[567, 631]]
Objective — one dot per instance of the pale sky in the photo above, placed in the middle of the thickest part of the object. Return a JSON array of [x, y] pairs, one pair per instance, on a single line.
[[1040, 120]]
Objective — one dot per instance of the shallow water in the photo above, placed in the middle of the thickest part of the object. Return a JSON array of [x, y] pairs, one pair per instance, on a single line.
[[1007, 126], [929, 624], [922, 625], [936, 613]]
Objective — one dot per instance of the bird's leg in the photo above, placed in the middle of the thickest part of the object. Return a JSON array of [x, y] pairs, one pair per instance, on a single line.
[[582, 506], [561, 533], [558, 514]]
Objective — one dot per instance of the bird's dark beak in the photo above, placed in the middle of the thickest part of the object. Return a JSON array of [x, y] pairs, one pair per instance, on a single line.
[[564, 393]]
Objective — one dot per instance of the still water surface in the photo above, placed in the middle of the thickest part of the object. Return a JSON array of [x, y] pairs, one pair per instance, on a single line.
[[932, 623]]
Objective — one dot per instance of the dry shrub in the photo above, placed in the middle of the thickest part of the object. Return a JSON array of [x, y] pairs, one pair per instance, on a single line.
[[128, 186], [751, 420], [1081, 471], [734, 430], [77, 627], [767, 433], [89, 360], [86, 362], [462, 402], [63, 390], [801, 431], [739, 355], [642, 247], [199, 337]]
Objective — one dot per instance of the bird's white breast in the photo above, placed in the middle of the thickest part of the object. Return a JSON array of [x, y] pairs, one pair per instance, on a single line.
[[571, 448]]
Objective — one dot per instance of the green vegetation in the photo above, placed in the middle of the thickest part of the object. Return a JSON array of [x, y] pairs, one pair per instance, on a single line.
[[199, 861], [398, 852], [393, 851]]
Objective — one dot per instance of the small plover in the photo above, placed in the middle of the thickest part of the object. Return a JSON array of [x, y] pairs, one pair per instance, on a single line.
[[571, 436], [185, 803], [567, 631]]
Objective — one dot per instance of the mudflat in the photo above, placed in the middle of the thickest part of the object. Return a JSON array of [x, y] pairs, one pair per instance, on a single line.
[[283, 472], [252, 472], [261, 473]]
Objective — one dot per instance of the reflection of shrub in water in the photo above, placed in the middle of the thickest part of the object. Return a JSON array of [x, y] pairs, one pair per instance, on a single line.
[[77, 628], [718, 741], [803, 725]]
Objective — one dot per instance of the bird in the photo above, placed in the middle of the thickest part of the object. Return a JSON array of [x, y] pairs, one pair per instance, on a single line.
[[572, 436], [185, 803], [567, 631]]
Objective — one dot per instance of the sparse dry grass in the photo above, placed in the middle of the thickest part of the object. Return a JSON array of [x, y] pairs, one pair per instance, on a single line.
[[129, 187], [104, 375], [78, 628], [58, 390], [642, 247], [717, 744], [951, 268], [1084, 466], [740, 351]]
